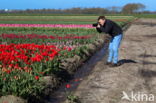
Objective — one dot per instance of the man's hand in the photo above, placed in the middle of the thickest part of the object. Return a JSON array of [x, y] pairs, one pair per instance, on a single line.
[[98, 26]]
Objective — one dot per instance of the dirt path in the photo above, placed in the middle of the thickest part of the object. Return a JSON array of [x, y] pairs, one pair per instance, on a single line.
[[136, 76]]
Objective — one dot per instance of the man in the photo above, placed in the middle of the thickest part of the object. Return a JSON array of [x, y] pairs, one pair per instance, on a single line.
[[114, 30]]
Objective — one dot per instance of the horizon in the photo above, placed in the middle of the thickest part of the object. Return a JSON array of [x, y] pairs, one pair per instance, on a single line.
[[57, 4]]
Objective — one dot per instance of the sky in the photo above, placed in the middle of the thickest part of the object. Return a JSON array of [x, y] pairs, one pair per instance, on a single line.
[[64, 4]]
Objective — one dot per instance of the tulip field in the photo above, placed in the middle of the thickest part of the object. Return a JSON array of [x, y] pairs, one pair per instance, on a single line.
[[32, 47]]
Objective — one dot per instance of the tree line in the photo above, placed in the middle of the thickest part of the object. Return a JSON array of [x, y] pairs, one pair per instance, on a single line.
[[130, 8]]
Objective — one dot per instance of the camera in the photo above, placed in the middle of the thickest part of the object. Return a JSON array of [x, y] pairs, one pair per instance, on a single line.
[[95, 24]]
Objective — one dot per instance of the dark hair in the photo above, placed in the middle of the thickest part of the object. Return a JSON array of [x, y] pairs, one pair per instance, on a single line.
[[101, 17]]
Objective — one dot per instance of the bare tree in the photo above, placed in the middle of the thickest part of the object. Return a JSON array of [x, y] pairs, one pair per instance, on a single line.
[[133, 8]]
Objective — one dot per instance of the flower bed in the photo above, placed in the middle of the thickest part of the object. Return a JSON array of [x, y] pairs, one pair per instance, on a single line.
[[36, 36], [34, 61], [48, 25], [22, 65]]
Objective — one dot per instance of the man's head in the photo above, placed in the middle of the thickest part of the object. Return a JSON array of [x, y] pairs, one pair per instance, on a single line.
[[101, 20]]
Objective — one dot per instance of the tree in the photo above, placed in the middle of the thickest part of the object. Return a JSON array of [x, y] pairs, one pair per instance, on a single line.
[[114, 9], [133, 8]]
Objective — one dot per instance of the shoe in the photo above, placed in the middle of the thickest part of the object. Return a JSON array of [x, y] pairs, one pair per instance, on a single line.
[[115, 64], [108, 63]]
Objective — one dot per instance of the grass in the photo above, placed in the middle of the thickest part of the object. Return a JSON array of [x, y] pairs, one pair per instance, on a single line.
[[145, 15]]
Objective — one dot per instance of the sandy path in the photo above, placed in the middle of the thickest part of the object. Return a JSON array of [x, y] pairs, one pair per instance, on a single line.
[[137, 74]]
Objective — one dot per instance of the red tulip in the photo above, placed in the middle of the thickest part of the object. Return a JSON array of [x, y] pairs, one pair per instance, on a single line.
[[68, 85], [8, 71], [37, 77]]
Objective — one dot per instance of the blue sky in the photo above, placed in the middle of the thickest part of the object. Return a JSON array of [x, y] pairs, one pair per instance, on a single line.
[[63, 4]]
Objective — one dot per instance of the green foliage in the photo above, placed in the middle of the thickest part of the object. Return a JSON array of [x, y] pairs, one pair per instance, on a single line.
[[20, 83]]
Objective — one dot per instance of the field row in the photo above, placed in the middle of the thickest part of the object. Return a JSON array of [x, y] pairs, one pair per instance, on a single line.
[[58, 19]]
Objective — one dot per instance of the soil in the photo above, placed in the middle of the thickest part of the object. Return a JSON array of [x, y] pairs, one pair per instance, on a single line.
[[136, 75]]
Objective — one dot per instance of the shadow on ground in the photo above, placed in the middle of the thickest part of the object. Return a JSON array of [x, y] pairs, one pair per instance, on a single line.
[[147, 55], [148, 62], [123, 61], [150, 36], [147, 73]]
